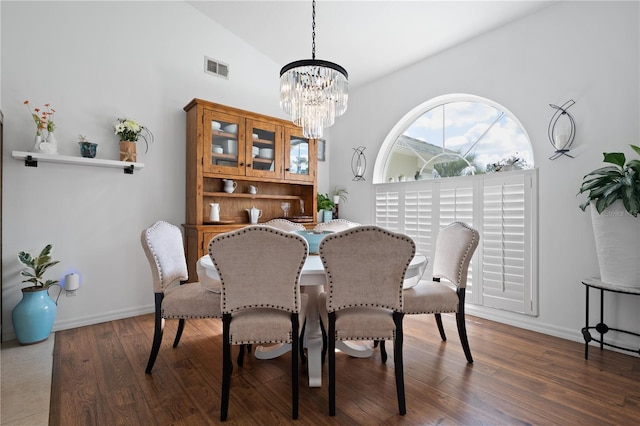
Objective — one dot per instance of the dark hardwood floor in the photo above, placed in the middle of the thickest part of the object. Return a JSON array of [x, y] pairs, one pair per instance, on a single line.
[[518, 377]]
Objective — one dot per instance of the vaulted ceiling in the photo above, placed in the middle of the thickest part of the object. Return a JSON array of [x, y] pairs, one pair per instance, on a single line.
[[368, 38]]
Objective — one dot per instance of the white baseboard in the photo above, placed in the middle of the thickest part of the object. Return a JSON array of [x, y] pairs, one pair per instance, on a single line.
[[531, 323], [90, 320]]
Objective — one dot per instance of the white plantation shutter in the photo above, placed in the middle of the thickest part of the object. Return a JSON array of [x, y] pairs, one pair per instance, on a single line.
[[387, 208], [418, 218], [502, 206], [507, 246], [456, 202], [456, 205]]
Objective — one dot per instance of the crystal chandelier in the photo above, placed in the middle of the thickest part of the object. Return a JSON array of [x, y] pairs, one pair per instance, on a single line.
[[313, 92]]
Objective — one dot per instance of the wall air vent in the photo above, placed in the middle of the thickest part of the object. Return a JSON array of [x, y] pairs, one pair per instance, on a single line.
[[215, 67]]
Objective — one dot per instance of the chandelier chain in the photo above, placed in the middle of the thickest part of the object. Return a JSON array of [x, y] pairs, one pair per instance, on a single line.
[[313, 30]]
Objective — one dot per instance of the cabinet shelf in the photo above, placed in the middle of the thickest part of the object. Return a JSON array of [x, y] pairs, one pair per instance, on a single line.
[[264, 142], [253, 196], [31, 159], [223, 134], [227, 157]]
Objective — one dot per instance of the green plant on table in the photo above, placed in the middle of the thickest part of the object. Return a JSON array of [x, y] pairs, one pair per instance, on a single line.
[[324, 202], [608, 184]]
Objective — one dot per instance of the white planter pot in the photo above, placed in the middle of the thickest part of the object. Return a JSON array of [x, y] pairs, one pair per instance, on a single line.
[[617, 235]]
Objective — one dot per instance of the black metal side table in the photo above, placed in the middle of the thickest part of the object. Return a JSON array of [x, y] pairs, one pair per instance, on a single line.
[[601, 327]]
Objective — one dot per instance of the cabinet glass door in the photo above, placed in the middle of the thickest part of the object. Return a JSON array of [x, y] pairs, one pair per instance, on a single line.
[[224, 154], [301, 156], [264, 149]]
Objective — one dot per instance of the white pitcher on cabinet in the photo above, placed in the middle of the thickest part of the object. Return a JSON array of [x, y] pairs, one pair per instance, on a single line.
[[229, 185], [214, 216], [254, 215]]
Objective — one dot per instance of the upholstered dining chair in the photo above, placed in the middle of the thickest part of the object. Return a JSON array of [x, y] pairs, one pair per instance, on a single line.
[[335, 225], [259, 269], [284, 225], [365, 268], [163, 245], [445, 293]]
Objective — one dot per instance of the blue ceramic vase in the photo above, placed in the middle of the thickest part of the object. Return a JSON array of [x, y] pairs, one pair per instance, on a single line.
[[33, 317]]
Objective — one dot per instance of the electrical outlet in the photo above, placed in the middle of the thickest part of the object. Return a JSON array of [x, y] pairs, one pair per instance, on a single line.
[[70, 293]]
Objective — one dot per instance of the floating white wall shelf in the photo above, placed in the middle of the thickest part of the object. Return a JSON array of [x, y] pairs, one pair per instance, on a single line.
[[31, 160]]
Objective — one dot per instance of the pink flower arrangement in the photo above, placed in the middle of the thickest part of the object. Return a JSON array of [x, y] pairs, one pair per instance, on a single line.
[[43, 119]]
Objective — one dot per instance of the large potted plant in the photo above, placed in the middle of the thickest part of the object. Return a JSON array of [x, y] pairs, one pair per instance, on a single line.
[[34, 315], [613, 192]]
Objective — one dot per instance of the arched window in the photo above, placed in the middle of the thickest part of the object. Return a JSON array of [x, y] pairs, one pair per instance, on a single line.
[[453, 135], [465, 158]]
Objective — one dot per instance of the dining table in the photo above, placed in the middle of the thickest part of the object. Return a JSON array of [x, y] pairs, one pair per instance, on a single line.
[[312, 281]]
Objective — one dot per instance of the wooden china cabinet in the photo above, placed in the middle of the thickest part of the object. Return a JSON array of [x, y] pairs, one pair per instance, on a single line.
[[271, 154]]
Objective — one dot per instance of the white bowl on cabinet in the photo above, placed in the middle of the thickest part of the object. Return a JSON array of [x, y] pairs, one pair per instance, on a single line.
[[266, 153], [231, 128]]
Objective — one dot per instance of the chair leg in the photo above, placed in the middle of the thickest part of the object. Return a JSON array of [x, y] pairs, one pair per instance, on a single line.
[[227, 366], [383, 351], [324, 343], [462, 328], [331, 343], [179, 332], [240, 359], [399, 365], [295, 342], [303, 356], [158, 329], [440, 327]]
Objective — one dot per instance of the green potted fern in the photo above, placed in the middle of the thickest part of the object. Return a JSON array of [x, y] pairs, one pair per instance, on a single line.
[[613, 192]]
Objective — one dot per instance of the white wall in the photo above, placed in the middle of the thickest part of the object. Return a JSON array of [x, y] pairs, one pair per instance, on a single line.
[[586, 51], [94, 62]]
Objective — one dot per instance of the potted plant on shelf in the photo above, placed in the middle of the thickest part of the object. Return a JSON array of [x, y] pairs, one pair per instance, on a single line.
[[325, 206], [339, 193], [87, 149], [130, 131], [34, 315], [613, 192], [44, 120]]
